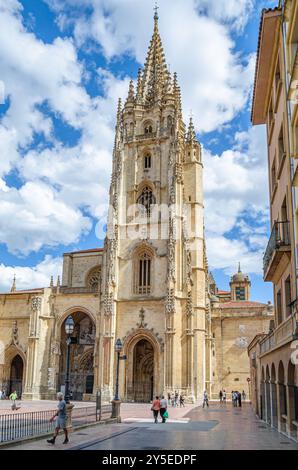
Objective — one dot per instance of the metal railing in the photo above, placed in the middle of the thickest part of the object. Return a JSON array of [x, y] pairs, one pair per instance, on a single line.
[[34, 423], [280, 236], [21, 425]]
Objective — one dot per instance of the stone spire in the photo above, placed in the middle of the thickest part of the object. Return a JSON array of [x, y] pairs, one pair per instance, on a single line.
[[52, 282], [131, 93], [191, 134], [139, 86], [239, 269], [177, 94], [119, 109], [155, 70], [14, 286]]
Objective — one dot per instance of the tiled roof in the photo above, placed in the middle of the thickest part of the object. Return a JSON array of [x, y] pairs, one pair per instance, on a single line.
[[241, 304], [223, 292]]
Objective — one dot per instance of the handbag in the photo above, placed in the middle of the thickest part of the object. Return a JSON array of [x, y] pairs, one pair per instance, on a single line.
[[165, 415]]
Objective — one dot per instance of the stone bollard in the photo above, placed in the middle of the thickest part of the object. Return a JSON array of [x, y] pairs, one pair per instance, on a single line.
[[116, 410], [69, 408]]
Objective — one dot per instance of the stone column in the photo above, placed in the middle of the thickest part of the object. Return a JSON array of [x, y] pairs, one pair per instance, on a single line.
[[32, 389]]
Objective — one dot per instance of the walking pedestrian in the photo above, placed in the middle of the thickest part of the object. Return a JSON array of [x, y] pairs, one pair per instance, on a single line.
[[13, 397], [155, 408], [173, 399], [181, 400], [169, 398], [239, 399], [0, 394], [224, 396], [163, 408], [220, 396], [176, 398], [234, 398], [205, 400], [243, 395], [60, 420]]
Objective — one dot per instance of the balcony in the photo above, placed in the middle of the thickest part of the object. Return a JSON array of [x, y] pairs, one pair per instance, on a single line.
[[279, 246], [285, 332]]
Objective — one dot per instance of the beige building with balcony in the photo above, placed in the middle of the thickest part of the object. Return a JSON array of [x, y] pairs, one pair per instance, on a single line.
[[274, 374], [235, 321]]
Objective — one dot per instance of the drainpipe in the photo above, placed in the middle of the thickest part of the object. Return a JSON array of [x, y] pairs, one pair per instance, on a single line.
[[290, 143]]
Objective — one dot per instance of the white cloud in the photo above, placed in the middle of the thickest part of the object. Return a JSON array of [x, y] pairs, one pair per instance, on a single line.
[[35, 217], [30, 277], [236, 188], [76, 177], [234, 12], [215, 81]]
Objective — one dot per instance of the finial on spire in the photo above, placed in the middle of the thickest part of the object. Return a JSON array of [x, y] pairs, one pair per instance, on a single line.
[[156, 13], [191, 133], [14, 286], [131, 92]]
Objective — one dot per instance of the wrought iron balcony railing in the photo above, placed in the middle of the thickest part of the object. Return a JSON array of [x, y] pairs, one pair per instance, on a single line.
[[280, 237]]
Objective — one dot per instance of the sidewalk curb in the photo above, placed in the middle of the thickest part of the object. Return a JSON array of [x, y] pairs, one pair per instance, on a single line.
[[43, 436]]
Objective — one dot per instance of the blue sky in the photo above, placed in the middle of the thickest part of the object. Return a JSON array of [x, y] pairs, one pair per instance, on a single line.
[[64, 63]]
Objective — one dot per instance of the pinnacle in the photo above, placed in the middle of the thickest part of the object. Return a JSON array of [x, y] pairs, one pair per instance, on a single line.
[[191, 133]]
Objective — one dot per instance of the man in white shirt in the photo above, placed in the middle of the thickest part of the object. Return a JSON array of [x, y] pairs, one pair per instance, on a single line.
[[163, 408]]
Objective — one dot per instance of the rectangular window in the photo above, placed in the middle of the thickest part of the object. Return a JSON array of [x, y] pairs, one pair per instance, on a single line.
[[147, 162], [240, 293], [278, 307], [273, 178], [281, 147], [288, 296]]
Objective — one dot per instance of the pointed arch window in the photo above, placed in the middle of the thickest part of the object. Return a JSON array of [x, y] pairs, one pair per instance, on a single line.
[[148, 129], [144, 273], [146, 199], [93, 279]]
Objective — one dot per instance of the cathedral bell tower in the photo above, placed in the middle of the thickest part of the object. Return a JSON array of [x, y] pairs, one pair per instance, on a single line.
[[154, 268]]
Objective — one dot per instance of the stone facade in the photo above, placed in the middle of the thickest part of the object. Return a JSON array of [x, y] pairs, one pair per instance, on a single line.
[[235, 321]]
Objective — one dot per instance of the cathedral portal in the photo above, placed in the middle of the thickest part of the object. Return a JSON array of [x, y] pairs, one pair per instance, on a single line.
[[143, 371], [81, 359]]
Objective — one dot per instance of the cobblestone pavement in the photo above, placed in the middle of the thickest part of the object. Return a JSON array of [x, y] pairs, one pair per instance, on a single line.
[[190, 428]]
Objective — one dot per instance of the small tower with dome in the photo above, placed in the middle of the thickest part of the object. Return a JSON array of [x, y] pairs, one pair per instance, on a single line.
[[240, 286]]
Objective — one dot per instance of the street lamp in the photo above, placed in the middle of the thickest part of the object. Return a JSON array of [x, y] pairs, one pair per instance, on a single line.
[[118, 349], [69, 329]]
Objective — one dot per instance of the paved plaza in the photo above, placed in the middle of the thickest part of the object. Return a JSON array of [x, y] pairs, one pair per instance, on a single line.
[[189, 428]]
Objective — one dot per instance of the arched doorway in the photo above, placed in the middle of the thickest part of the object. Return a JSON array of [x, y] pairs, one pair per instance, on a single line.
[[81, 357], [16, 375], [143, 371]]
